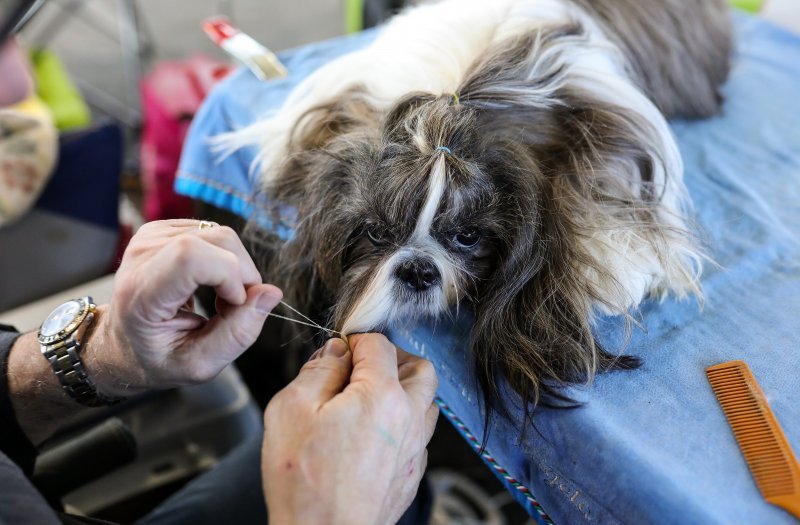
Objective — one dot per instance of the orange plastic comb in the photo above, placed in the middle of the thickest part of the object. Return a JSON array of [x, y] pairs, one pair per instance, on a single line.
[[763, 444]]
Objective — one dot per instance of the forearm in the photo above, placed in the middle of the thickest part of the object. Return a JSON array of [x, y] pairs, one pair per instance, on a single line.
[[40, 403]]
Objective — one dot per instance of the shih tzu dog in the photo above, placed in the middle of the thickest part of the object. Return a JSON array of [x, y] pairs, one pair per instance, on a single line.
[[511, 155]]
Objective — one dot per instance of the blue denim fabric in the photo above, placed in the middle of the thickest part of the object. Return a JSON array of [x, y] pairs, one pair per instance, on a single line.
[[652, 445]]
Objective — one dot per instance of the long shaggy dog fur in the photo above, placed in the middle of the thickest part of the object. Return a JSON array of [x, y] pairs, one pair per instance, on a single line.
[[511, 155]]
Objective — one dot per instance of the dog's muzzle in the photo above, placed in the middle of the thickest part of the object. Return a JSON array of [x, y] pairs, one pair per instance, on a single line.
[[418, 275]]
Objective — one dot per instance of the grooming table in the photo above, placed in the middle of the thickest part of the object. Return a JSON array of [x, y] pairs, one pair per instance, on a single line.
[[652, 445]]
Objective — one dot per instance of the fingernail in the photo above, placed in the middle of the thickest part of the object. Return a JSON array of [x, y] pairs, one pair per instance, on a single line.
[[266, 302], [334, 347]]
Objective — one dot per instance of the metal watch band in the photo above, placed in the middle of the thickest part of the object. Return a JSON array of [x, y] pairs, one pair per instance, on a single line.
[[69, 370], [61, 347]]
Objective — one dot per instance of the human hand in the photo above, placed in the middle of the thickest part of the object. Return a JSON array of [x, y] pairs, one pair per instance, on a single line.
[[150, 337], [345, 441]]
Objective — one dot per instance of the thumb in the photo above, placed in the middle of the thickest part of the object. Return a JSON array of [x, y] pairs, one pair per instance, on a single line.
[[235, 328], [326, 374]]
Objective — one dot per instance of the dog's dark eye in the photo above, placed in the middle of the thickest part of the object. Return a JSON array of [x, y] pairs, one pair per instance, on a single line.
[[466, 239], [377, 236]]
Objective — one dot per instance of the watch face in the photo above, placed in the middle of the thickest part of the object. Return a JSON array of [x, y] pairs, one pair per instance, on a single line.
[[60, 318]]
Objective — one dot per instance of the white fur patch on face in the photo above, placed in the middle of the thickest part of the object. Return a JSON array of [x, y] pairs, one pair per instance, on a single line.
[[377, 302], [436, 186], [423, 241]]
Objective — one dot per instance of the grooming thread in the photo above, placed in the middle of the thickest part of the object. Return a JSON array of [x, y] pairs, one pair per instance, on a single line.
[[308, 321]]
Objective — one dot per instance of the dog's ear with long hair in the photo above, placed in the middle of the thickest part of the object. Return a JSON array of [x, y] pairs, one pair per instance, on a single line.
[[316, 127], [533, 314], [591, 210]]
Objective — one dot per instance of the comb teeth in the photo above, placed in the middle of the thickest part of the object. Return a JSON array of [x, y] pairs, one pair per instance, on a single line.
[[761, 440]]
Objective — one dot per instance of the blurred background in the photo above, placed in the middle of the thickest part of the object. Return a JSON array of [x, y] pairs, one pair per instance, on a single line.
[[93, 38]]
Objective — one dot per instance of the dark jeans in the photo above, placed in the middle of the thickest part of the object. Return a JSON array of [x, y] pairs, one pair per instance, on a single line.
[[231, 493]]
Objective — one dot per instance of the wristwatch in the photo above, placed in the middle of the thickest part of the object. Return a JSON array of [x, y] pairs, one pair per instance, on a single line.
[[59, 340]]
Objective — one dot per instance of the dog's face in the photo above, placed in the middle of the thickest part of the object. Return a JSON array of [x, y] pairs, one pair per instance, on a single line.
[[427, 234], [428, 238], [416, 218]]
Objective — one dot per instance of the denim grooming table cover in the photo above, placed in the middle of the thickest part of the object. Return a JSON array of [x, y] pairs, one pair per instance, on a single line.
[[652, 445]]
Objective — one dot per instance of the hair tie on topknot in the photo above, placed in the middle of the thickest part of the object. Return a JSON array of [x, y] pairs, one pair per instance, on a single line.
[[455, 98], [445, 149]]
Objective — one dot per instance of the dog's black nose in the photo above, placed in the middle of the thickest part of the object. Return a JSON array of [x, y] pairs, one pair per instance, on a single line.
[[419, 275]]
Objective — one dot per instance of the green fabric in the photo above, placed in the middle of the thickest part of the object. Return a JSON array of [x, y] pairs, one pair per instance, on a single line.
[[56, 89], [751, 6], [353, 16]]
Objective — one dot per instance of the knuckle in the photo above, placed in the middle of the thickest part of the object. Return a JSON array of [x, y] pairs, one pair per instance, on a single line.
[[184, 247], [141, 245], [214, 233], [429, 372], [425, 372], [224, 236], [136, 250], [425, 368], [147, 227], [226, 232], [232, 261]]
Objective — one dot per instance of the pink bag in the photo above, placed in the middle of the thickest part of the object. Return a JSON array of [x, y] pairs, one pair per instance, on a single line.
[[171, 94]]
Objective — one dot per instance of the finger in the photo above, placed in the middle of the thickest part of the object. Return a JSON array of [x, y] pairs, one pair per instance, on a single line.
[[227, 239], [325, 376], [186, 263], [221, 236], [232, 330], [418, 378], [168, 227], [374, 359]]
